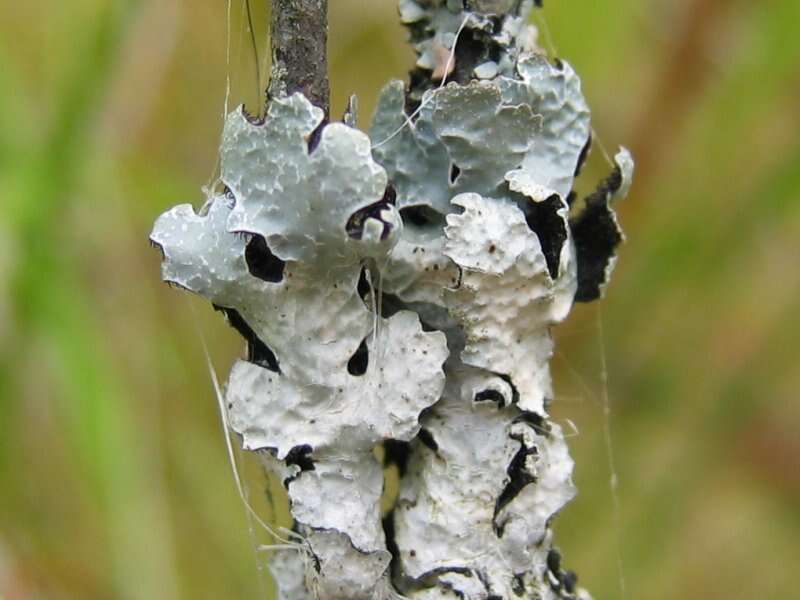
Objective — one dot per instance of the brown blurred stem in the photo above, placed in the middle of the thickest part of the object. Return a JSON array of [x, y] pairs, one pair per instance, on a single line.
[[299, 38]]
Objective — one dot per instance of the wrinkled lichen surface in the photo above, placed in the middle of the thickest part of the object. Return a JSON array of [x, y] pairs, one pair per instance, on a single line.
[[398, 288]]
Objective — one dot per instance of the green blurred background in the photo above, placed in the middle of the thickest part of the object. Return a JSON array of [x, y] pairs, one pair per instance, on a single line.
[[114, 480]]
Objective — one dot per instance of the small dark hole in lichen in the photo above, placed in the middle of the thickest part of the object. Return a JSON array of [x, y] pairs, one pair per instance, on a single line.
[[355, 224], [364, 288], [261, 262], [301, 457], [257, 351], [455, 171], [397, 452], [358, 363], [491, 396], [422, 216], [426, 437]]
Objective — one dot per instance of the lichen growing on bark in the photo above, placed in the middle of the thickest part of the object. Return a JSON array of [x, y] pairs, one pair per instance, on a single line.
[[399, 288]]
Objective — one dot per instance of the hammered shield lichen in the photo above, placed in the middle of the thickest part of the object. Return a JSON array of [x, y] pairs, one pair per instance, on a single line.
[[399, 289]]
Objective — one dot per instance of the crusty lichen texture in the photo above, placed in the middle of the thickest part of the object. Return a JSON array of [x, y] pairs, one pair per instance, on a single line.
[[398, 289]]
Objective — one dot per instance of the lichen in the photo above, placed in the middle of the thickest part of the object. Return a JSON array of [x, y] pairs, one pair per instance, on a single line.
[[311, 399], [399, 288]]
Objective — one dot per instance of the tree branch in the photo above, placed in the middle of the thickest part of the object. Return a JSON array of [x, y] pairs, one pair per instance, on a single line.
[[299, 37]]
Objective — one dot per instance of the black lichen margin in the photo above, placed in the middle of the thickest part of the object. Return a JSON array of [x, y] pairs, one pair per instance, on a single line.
[[563, 582], [257, 351], [544, 220], [597, 235]]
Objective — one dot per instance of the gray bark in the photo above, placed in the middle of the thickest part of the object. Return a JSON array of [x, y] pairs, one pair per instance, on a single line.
[[299, 37]]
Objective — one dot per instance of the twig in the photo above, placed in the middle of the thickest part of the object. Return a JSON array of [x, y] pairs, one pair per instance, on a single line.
[[298, 37]]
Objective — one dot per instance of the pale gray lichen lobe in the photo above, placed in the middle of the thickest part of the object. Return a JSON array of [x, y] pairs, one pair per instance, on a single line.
[[401, 287]]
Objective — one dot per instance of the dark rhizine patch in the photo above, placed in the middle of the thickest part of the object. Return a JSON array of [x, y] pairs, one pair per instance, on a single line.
[[391, 543], [569, 579], [256, 120], [544, 220], [474, 47], [486, 586], [554, 561], [358, 363], [160, 248], [562, 582], [391, 305], [518, 584], [535, 421], [418, 79], [261, 262], [422, 216], [397, 452], [438, 571], [596, 236], [257, 351], [297, 529], [355, 224], [301, 456], [519, 477], [426, 437], [514, 390], [571, 197]]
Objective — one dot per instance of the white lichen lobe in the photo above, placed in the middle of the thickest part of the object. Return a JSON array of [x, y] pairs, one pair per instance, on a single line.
[[399, 289]]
